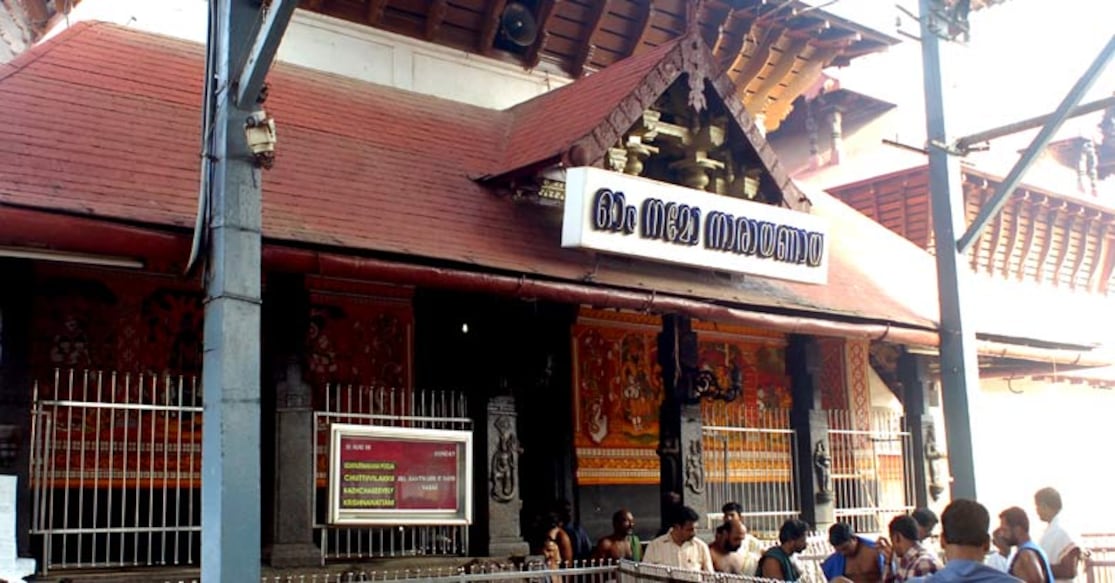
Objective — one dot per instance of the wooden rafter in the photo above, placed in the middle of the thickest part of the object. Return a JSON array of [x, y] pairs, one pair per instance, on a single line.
[[1103, 250], [590, 38], [1015, 226], [777, 74], [375, 11], [1066, 243], [1108, 270], [1031, 230], [993, 242], [818, 60], [978, 243], [1082, 249], [546, 11], [315, 5], [641, 28], [491, 26], [435, 16], [1050, 230], [731, 44], [763, 40]]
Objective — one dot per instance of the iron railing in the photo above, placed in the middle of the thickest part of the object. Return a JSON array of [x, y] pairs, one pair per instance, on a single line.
[[749, 459], [872, 469], [115, 469]]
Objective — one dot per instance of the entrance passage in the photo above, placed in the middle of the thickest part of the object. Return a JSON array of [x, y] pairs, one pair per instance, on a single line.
[[116, 469], [872, 468], [749, 459]]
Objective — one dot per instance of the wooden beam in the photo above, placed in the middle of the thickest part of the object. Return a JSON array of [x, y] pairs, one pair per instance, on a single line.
[[729, 47], [1070, 222], [764, 41], [784, 104], [315, 5], [1046, 245], [1015, 225], [978, 243], [375, 11], [546, 11], [642, 27], [1032, 228], [434, 17], [590, 37], [491, 26], [996, 238], [777, 73], [1103, 250], [1108, 271], [1082, 249]]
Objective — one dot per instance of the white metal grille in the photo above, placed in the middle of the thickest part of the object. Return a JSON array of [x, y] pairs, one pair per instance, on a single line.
[[872, 468], [365, 405], [115, 469], [749, 459]]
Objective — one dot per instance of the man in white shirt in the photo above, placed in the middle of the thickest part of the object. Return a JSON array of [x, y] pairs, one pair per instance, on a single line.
[[1059, 545], [680, 547]]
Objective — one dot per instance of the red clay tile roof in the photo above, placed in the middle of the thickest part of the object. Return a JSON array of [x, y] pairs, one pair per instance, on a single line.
[[103, 121]]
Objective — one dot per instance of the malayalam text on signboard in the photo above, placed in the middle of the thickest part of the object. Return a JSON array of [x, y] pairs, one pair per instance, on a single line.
[[394, 475]]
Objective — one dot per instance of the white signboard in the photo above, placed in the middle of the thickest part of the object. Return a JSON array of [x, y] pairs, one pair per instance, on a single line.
[[628, 215], [12, 568]]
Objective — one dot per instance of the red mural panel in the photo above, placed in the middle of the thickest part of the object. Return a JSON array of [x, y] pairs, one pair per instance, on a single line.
[[618, 389]]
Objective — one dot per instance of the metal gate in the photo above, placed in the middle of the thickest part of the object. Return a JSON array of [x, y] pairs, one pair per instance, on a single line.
[[365, 405], [872, 471], [116, 469], [749, 459]]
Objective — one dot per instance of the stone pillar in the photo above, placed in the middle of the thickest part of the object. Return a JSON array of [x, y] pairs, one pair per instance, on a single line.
[[286, 313], [16, 287], [680, 452], [913, 373], [808, 418], [504, 531]]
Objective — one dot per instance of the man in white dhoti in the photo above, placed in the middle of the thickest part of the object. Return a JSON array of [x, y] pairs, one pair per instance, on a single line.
[[1062, 548]]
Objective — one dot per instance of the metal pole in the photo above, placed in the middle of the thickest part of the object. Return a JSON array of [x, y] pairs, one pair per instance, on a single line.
[[1037, 146], [959, 367], [230, 461], [968, 141]]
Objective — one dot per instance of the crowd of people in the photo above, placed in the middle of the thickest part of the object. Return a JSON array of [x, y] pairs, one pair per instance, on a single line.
[[969, 549]]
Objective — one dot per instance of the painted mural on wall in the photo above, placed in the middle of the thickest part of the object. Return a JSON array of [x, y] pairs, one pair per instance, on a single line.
[[618, 389], [114, 337]]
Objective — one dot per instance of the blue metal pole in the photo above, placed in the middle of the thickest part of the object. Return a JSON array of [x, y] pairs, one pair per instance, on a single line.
[[959, 365], [230, 462]]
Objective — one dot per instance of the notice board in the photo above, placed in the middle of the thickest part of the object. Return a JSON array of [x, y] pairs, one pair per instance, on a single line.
[[399, 475]]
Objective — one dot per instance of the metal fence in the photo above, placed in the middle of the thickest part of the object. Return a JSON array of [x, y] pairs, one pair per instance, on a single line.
[[1099, 560], [749, 459], [872, 469], [115, 469], [363, 405]]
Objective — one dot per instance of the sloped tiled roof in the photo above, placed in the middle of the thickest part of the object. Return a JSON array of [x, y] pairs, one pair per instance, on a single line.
[[103, 122]]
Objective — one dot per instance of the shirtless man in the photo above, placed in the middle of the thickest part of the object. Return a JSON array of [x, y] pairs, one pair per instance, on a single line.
[[856, 558], [623, 543], [725, 559]]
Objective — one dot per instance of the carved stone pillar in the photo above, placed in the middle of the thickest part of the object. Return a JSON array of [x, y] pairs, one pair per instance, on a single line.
[[679, 443], [929, 484], [286, 313], [809, 419], [504, 538]]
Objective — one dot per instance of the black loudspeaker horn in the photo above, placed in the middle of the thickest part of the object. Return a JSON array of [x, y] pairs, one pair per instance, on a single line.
[[517, 24]]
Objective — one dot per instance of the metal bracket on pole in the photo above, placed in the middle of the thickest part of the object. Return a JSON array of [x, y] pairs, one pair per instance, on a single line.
[[1036, 147], [263, 50]]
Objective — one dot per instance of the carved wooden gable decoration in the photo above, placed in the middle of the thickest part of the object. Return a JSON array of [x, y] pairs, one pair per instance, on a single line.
[[678, 121]]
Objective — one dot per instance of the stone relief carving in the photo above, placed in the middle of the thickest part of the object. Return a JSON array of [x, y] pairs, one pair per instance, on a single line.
[[822, 463], [695, 468], [932, 454], [505, 462]]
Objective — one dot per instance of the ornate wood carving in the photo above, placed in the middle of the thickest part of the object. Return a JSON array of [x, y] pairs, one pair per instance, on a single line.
[[1034, 205], [1066, 243], [1102, 251], [1090, 218], [1047, 244], [782, 67], [983, 195], [820, 58], [766, 39], [993, 243], [590, 38], [375, 11], [546, 11], [491, 26]]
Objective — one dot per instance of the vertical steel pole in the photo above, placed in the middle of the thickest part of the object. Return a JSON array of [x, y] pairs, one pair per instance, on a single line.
[[230, 461], [959, 367]]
